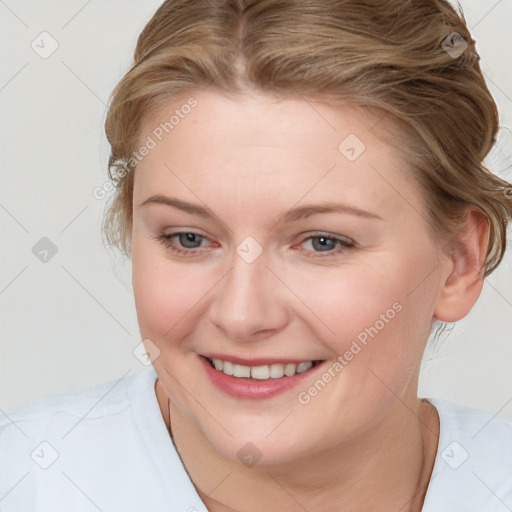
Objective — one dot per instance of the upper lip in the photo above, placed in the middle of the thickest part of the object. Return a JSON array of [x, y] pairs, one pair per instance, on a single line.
[[256, 361]]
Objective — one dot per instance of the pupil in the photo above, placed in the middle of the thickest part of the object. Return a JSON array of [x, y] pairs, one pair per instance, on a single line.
[[186, 238]]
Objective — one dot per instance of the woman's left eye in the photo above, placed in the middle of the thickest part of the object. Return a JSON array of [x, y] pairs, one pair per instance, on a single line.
[[324, 243]]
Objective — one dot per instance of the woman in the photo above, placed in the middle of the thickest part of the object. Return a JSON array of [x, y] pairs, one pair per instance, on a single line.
[[301, 191]]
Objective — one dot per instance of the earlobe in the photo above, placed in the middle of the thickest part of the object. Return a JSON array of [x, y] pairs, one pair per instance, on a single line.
[[465, 270]]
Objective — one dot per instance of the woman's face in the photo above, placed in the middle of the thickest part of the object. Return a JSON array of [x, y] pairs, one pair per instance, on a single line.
[[298, 244]]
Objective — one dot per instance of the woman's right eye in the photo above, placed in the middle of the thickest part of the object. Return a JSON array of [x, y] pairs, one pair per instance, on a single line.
[[188, 241]]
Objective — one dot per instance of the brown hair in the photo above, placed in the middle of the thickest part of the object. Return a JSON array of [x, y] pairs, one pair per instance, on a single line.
[[403, 58]]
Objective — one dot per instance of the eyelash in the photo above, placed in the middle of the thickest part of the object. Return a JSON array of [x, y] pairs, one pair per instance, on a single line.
[[167, 238]]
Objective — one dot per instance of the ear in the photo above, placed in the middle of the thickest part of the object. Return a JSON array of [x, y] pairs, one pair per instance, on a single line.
[[464, 277]]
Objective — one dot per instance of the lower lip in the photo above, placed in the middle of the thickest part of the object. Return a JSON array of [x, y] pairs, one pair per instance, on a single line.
[[253, 389]]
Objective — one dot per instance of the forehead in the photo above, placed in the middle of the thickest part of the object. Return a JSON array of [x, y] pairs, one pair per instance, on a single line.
[[258, 149]]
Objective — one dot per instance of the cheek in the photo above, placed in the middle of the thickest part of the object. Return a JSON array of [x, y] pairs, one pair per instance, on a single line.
[[349, 299], [164, 293], [378, 338], [378, 314]]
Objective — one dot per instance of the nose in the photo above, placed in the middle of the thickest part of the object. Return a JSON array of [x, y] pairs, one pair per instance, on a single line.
[[250, 304]]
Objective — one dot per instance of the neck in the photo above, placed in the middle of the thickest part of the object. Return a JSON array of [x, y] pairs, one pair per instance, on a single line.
[[387, 469]]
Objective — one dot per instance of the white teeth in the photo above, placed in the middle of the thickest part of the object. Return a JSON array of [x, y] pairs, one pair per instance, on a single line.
[[227, 367], [276, 371], [260, 372], [241, 371], [265, 372], [289, 369], [304, 366]]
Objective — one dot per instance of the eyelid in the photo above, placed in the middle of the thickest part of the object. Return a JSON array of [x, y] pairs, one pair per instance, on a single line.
[[185, 231], [326, 234]]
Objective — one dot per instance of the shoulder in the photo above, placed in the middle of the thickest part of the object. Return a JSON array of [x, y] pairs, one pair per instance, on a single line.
[[32, 428], [486, 437], [94, 401], [473, 467], [106, 443]]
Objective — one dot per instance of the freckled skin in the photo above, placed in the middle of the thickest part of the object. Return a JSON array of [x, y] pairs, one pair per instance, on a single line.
[[249, 160]]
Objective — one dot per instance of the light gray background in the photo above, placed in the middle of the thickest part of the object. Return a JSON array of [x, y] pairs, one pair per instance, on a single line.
[[71, 322]]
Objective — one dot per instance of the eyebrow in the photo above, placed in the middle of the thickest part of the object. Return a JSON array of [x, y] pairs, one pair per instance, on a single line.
[[178, 203], [297, 213]]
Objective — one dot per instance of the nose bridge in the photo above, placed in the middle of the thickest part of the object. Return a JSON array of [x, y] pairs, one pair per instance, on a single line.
[[247, 302]]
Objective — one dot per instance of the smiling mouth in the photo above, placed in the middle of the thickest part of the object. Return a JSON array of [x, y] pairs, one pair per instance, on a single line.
[[264, 372]]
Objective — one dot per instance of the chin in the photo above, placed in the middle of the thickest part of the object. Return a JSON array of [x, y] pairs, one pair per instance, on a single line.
[[255, 443]]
